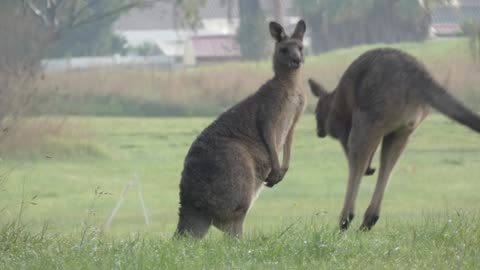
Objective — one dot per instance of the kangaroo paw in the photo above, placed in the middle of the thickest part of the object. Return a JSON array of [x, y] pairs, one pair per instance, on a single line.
[[370, 171]]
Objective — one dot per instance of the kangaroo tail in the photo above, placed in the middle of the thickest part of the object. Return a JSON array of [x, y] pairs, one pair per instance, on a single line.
[[439, 98]]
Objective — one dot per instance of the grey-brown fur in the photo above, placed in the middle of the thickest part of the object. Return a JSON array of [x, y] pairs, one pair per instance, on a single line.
[[239, 152], [382, 98]]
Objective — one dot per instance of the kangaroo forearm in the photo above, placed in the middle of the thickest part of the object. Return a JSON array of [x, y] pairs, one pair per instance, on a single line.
[[275, 161], [287, 148], [269, 140]]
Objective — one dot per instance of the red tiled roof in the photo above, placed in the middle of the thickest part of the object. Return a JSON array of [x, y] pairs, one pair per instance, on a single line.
[[215, 46]]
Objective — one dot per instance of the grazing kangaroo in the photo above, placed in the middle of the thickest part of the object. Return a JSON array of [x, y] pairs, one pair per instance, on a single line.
[[238, 153], [383, 96]]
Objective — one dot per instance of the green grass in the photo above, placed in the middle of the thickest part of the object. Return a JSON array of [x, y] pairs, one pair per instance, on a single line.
[[450, 242], [430, 217]]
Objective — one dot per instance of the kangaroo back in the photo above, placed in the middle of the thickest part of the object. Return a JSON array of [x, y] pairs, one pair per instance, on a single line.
[[441, 100]]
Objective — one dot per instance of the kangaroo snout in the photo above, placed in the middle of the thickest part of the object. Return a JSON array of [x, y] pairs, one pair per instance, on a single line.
[[295, 62]]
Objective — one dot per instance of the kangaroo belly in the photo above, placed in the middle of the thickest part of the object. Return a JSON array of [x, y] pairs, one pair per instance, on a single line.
[[409, 118], [255, 196]]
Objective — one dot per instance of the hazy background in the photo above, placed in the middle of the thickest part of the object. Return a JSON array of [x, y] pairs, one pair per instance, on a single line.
[[93, 92], [190, 58]]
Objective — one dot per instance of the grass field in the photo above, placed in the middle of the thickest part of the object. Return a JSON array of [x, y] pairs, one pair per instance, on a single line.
[[430, 217], [60, 177]]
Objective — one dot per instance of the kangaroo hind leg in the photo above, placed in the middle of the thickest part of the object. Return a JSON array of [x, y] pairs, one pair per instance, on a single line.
[[392, 147], [232, 227], [192, 223], [363, 140]]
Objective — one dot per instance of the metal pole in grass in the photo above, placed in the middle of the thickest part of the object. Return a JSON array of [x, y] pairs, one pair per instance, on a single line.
[[134, 182], [117, 206], [139, 190]]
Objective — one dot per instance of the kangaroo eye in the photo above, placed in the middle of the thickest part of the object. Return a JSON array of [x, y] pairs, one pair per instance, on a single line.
[[301, 48], [283, 50]]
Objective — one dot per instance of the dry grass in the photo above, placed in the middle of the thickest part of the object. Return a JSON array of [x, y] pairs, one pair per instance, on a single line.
[[208, 90], [43, 137], [221, 87]]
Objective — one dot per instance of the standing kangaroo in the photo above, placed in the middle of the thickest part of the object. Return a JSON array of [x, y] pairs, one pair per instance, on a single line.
[[238, 153], [383, 96]]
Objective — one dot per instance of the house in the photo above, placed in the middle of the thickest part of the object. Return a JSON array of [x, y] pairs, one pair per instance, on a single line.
[[213, 48], [447, 19], [213, 41]]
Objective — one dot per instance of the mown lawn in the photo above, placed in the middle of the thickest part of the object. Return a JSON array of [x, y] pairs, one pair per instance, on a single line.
[[430, 216]]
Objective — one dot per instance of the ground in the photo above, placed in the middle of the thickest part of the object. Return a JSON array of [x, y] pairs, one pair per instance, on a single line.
[[429, 217]]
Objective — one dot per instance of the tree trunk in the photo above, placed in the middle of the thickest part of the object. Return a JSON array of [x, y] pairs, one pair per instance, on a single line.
[[252, 32], [278, 11]]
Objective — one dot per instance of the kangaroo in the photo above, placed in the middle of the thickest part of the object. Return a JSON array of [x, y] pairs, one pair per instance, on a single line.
[[238, 153], [383, 96]]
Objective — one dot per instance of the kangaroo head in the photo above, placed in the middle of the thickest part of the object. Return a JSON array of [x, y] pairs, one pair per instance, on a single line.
[[323, 107], [288, 53]]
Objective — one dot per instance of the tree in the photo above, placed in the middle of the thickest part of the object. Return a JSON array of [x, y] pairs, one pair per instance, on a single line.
[[29, 28], [278, 11], [84, 27], [21, 47], [344, 23], [95, 38], [471, 28], [252, 34]]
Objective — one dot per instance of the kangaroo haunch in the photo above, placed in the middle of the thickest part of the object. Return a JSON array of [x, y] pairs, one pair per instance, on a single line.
[[239, 152], [382, 97]]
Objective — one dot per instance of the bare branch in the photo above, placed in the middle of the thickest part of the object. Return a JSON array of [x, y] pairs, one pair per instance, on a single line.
[[82, 10], [37, 12], [103, 16], [76, 14], [51, 13]]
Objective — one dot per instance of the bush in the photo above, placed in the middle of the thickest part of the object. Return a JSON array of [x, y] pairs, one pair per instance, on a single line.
[[472, 30]]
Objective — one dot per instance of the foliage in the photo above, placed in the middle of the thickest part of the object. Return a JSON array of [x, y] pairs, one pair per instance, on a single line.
[[22, 42], [252, 34], [187, 12], [93, 38], [472, 30], [345, 23], [145, 49]]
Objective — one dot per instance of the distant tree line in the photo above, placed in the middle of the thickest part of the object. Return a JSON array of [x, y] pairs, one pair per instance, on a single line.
[[337, 23], [345, 23], [333, 23]]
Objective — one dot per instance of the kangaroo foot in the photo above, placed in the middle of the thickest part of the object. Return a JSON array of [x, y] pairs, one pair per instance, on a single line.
[[345, 221], [369, 221]]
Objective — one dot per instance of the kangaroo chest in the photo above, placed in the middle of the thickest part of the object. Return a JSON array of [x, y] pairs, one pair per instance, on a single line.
[[293, 107]]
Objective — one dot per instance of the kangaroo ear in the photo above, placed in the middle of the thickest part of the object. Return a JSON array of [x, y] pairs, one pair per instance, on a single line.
[[299, 30], [317, 89], [277, 31]]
